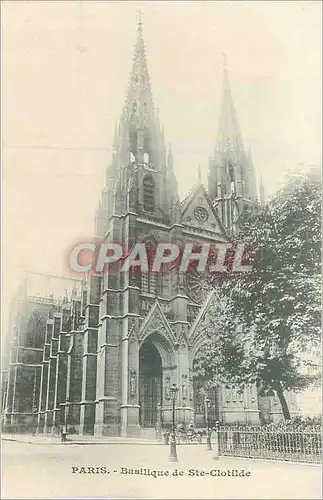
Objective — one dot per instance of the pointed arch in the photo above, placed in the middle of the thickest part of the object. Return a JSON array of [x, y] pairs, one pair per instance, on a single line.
[[199, 342], [195, 331], [163, 345], [156, 322]]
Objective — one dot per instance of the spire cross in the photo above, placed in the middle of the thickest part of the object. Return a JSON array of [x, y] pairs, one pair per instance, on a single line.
[[140, 21]]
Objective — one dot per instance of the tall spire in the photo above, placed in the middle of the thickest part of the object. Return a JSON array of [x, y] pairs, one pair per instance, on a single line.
[[139, 128], [229, 138], [261, 191], [171, 175], [226, 171], [250, 176], [141, 155], [139, 99], [199, 175], [230, 170], [115, 138]]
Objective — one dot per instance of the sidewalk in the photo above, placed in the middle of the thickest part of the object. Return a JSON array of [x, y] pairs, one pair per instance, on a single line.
[[52, 440], [76, 439], [189, 478]]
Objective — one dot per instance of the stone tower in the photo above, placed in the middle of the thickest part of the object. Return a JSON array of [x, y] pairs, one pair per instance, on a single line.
[[149, 325], [140, 178]]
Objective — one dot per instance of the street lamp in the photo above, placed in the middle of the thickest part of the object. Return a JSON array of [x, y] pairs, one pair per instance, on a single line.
[[173, 453], [158, 423], [34, 419], [207, 418]]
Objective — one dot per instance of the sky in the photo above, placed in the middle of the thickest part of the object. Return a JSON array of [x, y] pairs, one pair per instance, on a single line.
[[65, 70]]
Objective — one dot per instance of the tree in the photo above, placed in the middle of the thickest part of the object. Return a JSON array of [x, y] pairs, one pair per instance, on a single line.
[[278, 303], [221, 359]]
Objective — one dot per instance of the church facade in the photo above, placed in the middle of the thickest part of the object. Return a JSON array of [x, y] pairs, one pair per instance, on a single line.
[[103, 358]]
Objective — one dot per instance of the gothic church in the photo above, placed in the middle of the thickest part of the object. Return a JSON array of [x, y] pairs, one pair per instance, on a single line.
[[102, 358]]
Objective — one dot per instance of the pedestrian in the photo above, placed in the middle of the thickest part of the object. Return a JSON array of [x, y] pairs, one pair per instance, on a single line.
[[64, 433]]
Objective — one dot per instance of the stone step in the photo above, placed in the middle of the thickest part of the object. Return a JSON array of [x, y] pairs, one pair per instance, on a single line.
[[148, 433]]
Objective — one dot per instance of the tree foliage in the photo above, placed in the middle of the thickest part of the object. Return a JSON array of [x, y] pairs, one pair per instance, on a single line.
[[272, 314]]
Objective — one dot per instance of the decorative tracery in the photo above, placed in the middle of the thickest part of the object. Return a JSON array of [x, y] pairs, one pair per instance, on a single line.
[[149, 283], [197, 287]]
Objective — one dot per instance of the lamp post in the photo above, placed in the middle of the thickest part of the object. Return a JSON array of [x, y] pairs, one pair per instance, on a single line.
[[161, 420], [158, 423], [34, 420], [207, 418], [173, 453], [217, 441]]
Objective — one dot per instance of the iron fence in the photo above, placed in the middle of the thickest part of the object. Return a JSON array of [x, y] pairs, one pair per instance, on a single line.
[[294, 444]]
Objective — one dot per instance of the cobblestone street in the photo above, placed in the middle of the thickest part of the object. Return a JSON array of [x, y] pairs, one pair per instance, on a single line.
[[47, 470]]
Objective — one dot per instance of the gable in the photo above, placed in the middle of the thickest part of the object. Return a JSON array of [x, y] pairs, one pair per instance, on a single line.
[[194, 330], [199, 213], [156, 322]]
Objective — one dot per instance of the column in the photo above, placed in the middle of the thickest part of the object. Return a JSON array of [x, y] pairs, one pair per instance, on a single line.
[[87, 415]]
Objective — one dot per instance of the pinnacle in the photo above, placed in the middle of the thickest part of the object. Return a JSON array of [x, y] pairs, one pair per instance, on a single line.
[[199, 176]]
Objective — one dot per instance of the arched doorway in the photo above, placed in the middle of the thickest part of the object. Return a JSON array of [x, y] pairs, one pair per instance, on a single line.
[[150, 384]]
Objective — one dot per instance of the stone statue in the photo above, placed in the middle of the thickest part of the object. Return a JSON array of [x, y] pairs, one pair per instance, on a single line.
[[184, 387], [133, 382]]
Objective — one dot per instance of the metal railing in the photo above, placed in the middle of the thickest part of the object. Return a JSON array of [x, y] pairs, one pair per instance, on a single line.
[[294, 444]]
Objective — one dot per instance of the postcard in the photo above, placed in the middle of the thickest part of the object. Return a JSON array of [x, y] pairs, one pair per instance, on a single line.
[[161, 250]]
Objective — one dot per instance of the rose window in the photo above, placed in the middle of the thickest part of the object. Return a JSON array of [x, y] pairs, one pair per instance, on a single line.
[[201, 214], [197, 286]]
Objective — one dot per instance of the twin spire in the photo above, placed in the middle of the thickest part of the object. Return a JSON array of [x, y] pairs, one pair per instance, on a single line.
[[139, 102], [229, 139], [139, 115]]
